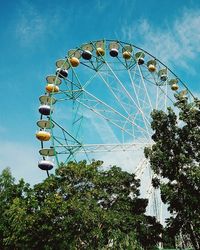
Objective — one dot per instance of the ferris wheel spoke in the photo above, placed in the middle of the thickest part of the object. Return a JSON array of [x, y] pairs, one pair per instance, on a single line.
[[84, 64], [145, 119], [67, 150], [66, 132], [145, 88], [142, 165], [155, 204], [105, 118], [108, 107], [149, 196], [90, 80], [157, 97], [114, 110], [141, 85], [126, 91], [166, 91], [113, 93]]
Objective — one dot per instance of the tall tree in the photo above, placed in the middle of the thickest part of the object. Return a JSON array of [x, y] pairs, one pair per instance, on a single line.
[[6, 182], [82, 206], [9, 191], [175, 156]]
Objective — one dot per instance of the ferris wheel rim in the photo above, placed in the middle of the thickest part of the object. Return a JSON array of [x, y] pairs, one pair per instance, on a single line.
[[79, 147], [146, 52], [79, 48]]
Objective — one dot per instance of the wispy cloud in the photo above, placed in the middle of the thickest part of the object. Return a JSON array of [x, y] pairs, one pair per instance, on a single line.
[[177, 42], [30, 24], [103, 130], [34, 25], [101, 5]]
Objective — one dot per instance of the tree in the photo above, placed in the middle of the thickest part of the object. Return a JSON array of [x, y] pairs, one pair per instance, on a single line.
[[82, 206], [9, 191], [175, 156], [6, 182]]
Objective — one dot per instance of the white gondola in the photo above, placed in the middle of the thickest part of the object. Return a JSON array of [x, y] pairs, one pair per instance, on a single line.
[[86, 54], [114, 52], [163, 74], [44, 109], [140, 57], [114, 49], [45, 165], [62, 73]]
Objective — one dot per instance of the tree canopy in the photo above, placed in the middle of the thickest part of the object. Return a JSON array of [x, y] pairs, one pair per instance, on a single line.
[[82, 206], [85, 206], [175, 157]]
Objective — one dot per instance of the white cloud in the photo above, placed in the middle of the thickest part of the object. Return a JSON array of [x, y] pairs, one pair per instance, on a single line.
[[30, 24], [174, 44], [101, 5], [104, 130], [34, 25]]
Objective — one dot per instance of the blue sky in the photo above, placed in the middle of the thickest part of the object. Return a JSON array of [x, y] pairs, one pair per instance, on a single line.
[[34, 34]]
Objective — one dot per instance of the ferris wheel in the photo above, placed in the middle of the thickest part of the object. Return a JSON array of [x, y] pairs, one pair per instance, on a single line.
[[98, 103]]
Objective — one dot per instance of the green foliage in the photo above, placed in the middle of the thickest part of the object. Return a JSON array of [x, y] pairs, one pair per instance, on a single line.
[[176, 157], [9, 192], [80, 207]]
